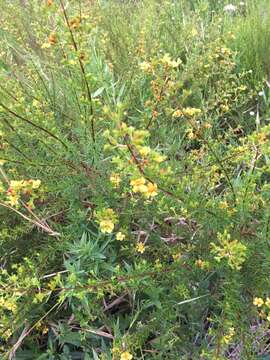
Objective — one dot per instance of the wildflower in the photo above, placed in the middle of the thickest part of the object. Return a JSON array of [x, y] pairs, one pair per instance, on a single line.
[[176, 256], [115, 180], [145, 66], [155, 114], [167, 60], [120, 236], [106, 226], [267, 302], [16, 185], [140, 247], [158, 157], [242, 87], [199, 263], [223, 205], [126, 356], [228, 337], [138, 136], [52, 39], [224, 107], [230, 8], [75, 23], [194, 32], [138, 185], [177, 113], [2, 162], [49, 2], [82, 56], [144, 150], [261, 314], [233, 250], [151, 190], [13, 199], [35, 184], [189, 112], [190, 134], [107, 220], [258, 301]]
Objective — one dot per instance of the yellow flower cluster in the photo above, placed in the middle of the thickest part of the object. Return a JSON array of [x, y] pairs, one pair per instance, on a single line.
[[145, 66], [166, 61], [202, 264], [258, 301], [19, 187], [169, 62], [120, 236], [140, 247], [226, 339], [126, 356], [265, 304], [115, 180], [140, 185], [106, 219], [188, 112], [232, 250], [8, 304]]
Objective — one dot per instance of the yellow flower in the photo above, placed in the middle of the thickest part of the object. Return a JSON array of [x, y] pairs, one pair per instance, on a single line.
[[194, 32], [145, 66], [120, 236], [115, 180], [151, 190], [2, 162], [16, 185], [190, 112], [223, 205], [144, 150], [167, 60], [224, 107], [267, 302], [138, 185], [126, 356], [190, 134], [138, 136], [106, 219], [199, 263], [106, 226], [258, 302], [176, 256], [36, 184], [177, 113], [158, 158], [268, 318], [227, 338], [207, 125], [13, 199], [140, 247]]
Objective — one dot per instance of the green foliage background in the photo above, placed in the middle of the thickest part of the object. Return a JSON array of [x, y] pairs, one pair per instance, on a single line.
[[95, 95]]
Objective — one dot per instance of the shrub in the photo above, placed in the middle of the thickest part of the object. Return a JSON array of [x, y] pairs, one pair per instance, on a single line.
[[134, 180]]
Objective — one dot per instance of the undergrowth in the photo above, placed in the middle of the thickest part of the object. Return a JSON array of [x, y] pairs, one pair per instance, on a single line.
[[134, 192]]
